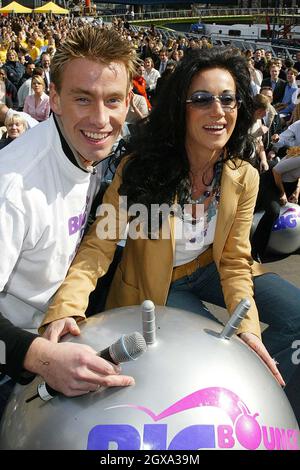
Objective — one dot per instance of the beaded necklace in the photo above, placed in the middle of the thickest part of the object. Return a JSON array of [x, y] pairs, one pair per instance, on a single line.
[[213, 190]]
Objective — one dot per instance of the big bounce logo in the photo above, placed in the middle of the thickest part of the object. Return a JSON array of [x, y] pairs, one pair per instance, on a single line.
[[289, 219], [243, 432]]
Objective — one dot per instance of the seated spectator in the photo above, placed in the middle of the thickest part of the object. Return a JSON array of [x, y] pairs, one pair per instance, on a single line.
[[289, 138], [8, 92], [32, 50], [14, 70], [29, 68], [38, 105], [276, 83], [296, 112], [180, 53], [151, 76], [5, 112], [258, 129], [259, 61], [26, 88], [138, 108], [16, 125], [139, 83], [286, 107], [256, 77], [271, 120]]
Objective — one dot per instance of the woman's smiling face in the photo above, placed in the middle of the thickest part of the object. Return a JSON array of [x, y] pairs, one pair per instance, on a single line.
[[210, 127]]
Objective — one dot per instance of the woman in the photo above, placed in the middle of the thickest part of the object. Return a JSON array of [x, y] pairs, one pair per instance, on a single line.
[[151, 76], [37, 105], [192, 150], [259, 130], [16, 125], [14, 70]]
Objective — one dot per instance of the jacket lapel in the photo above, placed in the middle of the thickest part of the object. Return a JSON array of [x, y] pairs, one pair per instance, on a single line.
[[230, 191]]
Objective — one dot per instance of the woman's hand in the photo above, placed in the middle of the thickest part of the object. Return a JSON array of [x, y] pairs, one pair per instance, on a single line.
[[59, 328], [256, 344]]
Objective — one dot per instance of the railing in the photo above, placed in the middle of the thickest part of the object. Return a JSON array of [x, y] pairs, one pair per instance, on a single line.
[[200, 12]]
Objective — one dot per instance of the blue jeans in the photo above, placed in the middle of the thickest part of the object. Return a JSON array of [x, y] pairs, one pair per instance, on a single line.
[[277, 300]]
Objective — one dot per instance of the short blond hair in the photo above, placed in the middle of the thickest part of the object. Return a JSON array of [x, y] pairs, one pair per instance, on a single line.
[[98, 45], [11, 118]]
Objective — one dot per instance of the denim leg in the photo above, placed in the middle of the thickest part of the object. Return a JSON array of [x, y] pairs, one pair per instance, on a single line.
[[181, 295], [207, 286], [278, 303]]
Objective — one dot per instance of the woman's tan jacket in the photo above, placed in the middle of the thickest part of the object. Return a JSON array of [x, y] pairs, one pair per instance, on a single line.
[[145, 270]]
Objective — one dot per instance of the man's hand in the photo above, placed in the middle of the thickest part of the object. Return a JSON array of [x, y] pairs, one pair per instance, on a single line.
[[59, 328], [256, 344], [72, 369]]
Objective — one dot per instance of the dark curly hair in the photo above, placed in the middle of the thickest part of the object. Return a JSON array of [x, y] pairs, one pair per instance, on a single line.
[[158, 168]]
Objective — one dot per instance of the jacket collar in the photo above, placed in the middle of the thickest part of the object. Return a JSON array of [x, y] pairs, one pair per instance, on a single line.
[[70, 151]]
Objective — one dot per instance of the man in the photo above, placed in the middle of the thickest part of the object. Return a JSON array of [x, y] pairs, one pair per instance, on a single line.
[[289, 138], [276, 83], [49, 178], [163, 60], [45, 64], [286, 107], [29, 68]]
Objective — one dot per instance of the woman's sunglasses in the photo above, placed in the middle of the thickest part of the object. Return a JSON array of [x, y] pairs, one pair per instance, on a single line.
[[204, 99]]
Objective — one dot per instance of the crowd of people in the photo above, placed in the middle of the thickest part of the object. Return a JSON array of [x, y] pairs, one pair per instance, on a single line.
[[197, 132]]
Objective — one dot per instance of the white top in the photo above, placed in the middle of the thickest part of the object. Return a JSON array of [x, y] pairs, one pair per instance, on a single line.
[[44, 202], [290, 137], [2, 92], [25, 90], [192, 240], [151, 78], [141, 104]]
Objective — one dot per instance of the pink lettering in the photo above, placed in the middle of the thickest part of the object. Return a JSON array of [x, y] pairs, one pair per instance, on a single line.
[[280, 439], [269, 443], [225, 438]]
